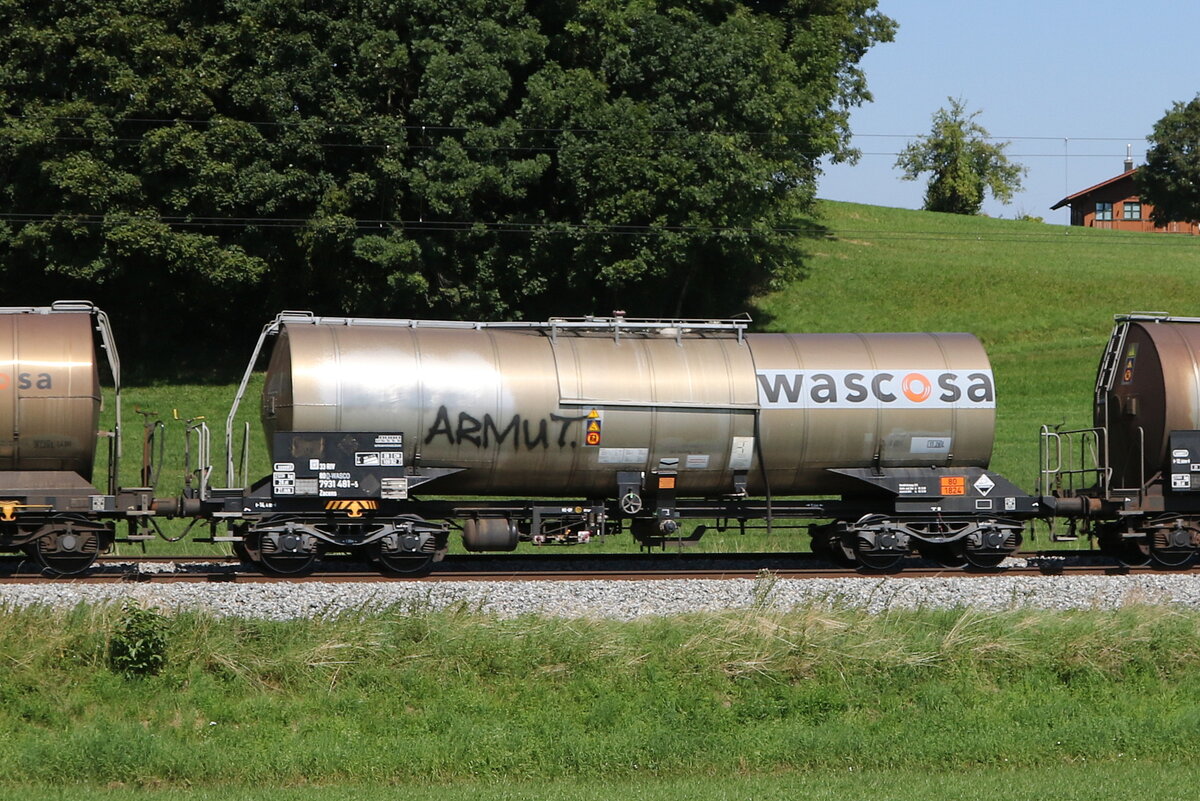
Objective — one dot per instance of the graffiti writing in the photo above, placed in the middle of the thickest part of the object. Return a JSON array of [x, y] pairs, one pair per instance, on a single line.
[[487, 432]]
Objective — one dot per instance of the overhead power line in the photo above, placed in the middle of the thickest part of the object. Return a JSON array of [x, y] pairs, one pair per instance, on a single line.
[[465, 226], [1042, 235], [554, 148], [384, 122]]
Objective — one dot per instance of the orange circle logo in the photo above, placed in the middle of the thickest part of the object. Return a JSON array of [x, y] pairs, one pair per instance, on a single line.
[[916, 387]]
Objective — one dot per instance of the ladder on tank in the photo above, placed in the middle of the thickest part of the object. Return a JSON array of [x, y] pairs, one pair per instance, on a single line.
[[1110, 361]]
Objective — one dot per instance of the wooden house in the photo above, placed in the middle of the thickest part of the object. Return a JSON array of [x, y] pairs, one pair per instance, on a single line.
[[1116, 204]]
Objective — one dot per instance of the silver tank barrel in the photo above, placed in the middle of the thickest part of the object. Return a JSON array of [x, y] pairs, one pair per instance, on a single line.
[[49, 390], [546, 410]]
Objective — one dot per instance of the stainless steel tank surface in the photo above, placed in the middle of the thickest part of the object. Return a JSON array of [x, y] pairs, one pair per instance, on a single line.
[[1155, 390], [539, 411], [49, 391]]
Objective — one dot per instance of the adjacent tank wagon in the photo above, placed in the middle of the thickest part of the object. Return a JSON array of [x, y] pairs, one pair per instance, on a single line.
[[52, 505], [1133, 479]]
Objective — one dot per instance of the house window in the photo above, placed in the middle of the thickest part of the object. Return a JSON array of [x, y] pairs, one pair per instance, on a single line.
[[1103, 211], [1132, 210]]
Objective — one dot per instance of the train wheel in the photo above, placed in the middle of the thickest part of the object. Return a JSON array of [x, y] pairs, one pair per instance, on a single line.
[[284, 554], [1171, 559], [881, 561], [988, 547], [1173, 546], [67, 551], [1129, 551], [240, 550], [300, 564], [983, 559], [820, 543], [828, 542], [392, 564], [878, 547]]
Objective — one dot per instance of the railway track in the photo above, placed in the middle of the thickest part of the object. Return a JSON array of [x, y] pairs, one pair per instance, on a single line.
[[563, 567]]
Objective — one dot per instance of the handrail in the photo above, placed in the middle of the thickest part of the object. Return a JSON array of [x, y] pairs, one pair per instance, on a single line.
[[555, 325], [268, 330], [1067, 466]]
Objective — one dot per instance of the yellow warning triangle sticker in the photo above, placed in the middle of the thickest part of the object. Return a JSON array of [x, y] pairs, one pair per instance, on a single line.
[[594, 425], [593, 415]]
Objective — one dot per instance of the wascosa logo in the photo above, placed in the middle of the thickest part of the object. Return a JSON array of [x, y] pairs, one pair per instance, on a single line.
[[856, 389]]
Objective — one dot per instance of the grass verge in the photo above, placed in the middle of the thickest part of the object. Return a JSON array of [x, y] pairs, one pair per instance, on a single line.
[[1130, 780], [411, 697]]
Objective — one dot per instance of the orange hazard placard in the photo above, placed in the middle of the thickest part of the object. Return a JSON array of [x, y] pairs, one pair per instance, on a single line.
[[954, 485]]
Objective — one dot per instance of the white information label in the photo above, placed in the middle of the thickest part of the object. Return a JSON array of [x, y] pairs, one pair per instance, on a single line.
[[623, 455], [394, 489], [930, 445]]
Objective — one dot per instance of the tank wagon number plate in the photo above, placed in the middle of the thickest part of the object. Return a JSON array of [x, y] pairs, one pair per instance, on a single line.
[[339, 464]]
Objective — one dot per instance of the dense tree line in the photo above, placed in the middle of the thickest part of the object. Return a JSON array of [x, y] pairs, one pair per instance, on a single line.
[[196, 166]]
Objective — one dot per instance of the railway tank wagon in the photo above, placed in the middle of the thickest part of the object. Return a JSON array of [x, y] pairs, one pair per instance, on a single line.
[[1133, 479], [560, 430], [51, 505]]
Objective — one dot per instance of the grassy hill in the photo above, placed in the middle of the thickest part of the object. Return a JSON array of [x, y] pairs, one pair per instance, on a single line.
[[1040, 297]]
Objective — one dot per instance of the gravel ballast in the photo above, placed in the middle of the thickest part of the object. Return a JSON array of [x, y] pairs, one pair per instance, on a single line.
[[625, 600]]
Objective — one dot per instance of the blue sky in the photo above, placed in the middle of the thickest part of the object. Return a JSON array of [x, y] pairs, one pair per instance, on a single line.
[[1067, 83]]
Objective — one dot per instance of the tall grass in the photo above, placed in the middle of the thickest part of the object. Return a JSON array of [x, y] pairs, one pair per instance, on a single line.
[[411, 695], [1085, 781]]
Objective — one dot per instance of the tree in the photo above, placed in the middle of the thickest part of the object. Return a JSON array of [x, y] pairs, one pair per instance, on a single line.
[[1170, 179], [485, 159], [962, 161]]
